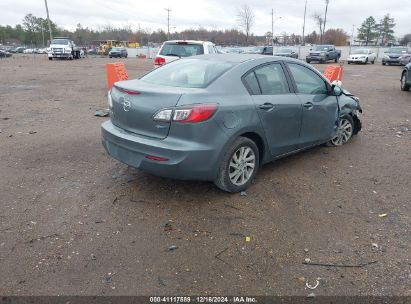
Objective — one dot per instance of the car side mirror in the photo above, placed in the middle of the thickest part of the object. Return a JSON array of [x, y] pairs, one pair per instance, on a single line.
[[336, 90]]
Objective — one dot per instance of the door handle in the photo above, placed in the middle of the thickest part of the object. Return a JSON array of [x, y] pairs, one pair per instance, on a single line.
[[266, 106], [308, 105]]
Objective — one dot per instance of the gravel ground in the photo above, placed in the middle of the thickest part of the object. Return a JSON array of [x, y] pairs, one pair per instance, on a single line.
[[77, 222]]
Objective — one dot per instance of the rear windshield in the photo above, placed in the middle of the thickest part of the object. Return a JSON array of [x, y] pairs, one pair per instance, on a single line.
[[181, 50], [285, 50], [59, 41], [187, 73], [116, 49]]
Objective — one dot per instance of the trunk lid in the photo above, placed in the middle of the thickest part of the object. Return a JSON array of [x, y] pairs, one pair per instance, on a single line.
[[134, 112]]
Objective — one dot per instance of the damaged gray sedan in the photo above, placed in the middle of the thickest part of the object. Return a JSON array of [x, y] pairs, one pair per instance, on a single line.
[[220, 117]]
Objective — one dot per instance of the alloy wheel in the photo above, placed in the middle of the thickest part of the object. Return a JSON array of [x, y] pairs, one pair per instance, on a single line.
[[344, 132], [241, 166]]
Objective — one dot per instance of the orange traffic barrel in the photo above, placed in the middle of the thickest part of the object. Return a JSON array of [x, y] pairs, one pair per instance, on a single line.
[[333, 73], [115, 72]]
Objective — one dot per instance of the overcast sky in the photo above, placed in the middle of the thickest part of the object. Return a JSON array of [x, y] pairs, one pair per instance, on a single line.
[[218, 14]]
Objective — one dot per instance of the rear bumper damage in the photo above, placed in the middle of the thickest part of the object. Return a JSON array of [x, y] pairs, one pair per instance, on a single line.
[[186, 161]]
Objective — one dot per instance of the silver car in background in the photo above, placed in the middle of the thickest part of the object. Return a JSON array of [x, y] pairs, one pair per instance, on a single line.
[[220, 117], [362, 56]]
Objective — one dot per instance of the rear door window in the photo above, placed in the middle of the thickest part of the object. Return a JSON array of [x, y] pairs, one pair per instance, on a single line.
[[251, 83], [271, 79], [181, 49]]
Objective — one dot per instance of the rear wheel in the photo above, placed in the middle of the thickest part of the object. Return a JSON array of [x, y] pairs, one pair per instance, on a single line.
[[345, 131], [239, 166], [373, 61], [366, 60], [308, 61], [50, 58], [404, 85]]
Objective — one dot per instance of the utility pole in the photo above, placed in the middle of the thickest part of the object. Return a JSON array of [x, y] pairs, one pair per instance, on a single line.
[[352, 37], [305, 14], [48, 20], [168, 23], [325, 16], [272, 27]]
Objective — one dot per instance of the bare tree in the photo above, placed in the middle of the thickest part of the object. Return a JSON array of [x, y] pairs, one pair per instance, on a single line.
[[246, 20], [320, 21]]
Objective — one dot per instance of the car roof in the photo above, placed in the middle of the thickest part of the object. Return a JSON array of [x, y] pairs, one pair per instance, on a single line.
[[189, 41], [239, 58]]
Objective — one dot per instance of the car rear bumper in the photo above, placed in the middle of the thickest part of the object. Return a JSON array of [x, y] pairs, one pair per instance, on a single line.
[[185, 160]]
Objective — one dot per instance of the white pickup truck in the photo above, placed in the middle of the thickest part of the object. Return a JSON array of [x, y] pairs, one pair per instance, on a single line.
[[63, 47]]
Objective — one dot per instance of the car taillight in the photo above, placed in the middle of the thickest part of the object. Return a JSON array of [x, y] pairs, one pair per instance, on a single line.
[[131, 92], [193, 114], [156, 158], [159, 61]]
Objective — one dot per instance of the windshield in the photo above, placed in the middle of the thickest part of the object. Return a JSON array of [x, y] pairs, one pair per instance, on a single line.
[[187, 73], [321, 48], [285, 50], [59, 41], [181, 50], [116, 49], [398, 50], [360, 52]]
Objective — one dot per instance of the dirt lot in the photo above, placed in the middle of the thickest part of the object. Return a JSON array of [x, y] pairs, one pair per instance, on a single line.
[[75, 221]]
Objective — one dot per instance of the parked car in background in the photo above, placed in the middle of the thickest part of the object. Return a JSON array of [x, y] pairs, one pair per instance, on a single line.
[[176, 49], [19, 49], [405, 59], [118, 52], [406, 78], [4, 54], [264, 50], [362, 56], [323, 53], [234, 51], [393, 55], [92, 51], [256, 50], [286, 52], [219, 117]]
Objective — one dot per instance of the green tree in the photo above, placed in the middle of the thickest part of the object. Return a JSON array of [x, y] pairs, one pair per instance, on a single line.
[[386, 29], [368, 30], [30, 23]]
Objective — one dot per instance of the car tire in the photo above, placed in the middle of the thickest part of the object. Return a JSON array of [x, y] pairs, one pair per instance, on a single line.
[[238, 166], [372, 62], [308, 61], [50, 58], [404, 85], [336, 60], [345, 131], [383, 63], [366, 60]]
